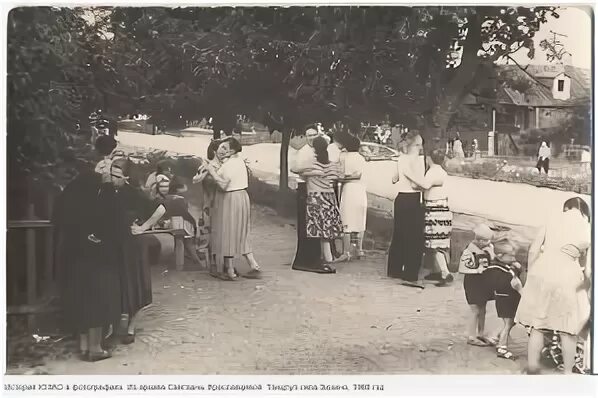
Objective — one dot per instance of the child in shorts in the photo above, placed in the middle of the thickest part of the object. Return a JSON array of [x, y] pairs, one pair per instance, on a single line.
[[503, 276], [473, 262]]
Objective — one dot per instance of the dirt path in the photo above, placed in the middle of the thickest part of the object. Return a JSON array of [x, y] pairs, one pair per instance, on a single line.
[[357, 321]]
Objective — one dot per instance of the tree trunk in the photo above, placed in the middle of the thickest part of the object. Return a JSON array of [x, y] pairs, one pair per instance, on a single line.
[[283, 180], [452, 94]]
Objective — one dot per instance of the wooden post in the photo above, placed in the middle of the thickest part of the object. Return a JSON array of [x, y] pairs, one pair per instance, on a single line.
[[178, 224], [179, 251], [30, 256], [49, 251]]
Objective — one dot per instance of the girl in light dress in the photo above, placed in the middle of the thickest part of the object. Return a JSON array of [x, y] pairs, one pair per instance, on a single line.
[[556, 295], [354, 200]]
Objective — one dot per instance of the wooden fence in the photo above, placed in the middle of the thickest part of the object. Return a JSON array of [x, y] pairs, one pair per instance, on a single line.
[[31, 263]]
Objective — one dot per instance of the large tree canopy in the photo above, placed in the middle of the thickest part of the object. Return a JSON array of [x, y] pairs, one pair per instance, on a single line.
[[285, 67]]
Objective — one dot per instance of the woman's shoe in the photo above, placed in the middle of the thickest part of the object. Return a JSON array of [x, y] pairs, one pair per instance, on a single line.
[[253, 274], [127, 339], [342, 258], [504, 353], [445, 281], [416, 284], [98, 356]]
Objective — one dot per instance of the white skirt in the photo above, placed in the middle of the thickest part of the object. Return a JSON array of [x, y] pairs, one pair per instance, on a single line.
[[354, 207]]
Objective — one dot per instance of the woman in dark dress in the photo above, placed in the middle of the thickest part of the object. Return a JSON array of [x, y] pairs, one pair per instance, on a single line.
[[89, 239], [131, 205], [308, 255]]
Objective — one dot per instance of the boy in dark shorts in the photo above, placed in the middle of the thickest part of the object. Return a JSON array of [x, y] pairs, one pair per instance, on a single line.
[[503, 277], [473, 262]]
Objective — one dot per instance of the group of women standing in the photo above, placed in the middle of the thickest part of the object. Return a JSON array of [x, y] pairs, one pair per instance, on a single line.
[[102, 272], [102, 253], [323, 217]]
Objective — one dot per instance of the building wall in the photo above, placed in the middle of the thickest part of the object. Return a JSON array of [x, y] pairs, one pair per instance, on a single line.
[[553, 117], [565, 93]]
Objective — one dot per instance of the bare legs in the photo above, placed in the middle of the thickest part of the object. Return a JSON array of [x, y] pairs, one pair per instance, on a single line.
[[230, 271], [326, 251], [569, 348], [477, 321], [441, 263], [534, 350], [352, 241], [251, 261], [84, 342], [228, 267]]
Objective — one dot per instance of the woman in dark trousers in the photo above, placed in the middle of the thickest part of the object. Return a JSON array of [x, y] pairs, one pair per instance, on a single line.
[[407, 245]]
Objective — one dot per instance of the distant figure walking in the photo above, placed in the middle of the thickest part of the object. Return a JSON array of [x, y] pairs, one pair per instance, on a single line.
[[543, 158]]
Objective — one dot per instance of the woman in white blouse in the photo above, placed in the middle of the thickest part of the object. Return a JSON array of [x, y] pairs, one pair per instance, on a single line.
[[233, 211], [354, 200], [407, 245]]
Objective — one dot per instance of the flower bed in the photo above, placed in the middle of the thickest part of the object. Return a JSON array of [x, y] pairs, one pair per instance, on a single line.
[[500, 170]]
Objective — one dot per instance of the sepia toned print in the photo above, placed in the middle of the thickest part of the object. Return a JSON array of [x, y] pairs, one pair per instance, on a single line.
[[299, 190]]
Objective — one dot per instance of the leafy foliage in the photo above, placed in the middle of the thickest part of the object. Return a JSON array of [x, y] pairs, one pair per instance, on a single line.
[[284, 67]]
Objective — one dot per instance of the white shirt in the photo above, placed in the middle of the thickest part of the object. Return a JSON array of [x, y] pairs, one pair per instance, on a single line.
[[334, 153], [436, 176], [354, 163], [304, 158], [404, 162], [235, 171]]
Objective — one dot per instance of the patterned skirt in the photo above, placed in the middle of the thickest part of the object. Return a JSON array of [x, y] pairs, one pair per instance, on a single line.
[[323, 217], [438, 224]]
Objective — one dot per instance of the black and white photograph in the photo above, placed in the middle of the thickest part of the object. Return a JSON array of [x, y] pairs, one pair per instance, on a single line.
[[298, 189]]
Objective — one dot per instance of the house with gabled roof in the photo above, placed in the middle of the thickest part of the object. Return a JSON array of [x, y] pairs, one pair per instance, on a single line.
[[521, 99], [550, 94]]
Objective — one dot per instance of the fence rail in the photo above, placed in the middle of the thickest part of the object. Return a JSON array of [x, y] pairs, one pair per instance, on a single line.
[[39, 272]]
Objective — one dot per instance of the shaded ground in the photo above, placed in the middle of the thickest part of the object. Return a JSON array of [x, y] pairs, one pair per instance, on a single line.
[[357, 321]]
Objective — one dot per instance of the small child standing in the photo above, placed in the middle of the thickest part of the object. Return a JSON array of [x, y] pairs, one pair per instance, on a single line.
[[503, 275], [478, 291]]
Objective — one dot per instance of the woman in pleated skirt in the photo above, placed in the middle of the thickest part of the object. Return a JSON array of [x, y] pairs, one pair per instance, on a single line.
[[232, 211]]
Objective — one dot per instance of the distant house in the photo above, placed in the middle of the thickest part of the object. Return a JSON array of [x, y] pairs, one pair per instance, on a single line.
[[552, 92]]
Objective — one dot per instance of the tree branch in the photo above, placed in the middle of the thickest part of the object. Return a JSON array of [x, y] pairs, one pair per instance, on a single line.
[[526, 72]]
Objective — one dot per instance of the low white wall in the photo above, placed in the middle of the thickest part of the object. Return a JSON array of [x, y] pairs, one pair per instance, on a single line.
[[503, 202]]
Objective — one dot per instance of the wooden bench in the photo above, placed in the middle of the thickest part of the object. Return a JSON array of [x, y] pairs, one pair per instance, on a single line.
[[179, 234]]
